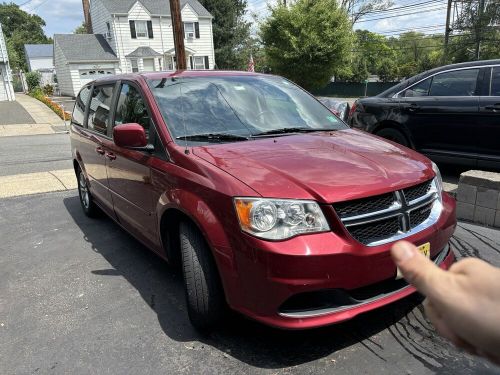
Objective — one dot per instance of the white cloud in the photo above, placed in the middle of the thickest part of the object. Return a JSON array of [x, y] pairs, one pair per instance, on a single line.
[[61, 16]]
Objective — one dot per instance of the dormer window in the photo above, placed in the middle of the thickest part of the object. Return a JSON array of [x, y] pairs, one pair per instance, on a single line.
[[141, 29], [191, 30]]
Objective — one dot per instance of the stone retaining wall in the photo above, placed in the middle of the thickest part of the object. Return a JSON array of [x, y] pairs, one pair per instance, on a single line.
[[478, 198]]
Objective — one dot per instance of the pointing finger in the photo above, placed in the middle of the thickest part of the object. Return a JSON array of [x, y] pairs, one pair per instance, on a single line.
[[419, 271]]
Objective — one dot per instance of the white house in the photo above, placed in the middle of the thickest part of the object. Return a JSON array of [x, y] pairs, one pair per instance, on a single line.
[[137, 36], [6, 89], [40, 57]]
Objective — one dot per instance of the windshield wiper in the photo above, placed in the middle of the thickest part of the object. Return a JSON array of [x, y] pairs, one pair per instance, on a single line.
[[288, 130], [213, 137]]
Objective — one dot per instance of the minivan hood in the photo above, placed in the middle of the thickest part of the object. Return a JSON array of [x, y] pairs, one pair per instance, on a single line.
[[325, 166]]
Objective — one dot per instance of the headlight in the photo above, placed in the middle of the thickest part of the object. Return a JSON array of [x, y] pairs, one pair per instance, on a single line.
[[438, 181], [278, 219]]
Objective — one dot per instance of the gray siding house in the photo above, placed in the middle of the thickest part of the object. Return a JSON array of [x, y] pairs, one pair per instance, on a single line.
[[40, 58]]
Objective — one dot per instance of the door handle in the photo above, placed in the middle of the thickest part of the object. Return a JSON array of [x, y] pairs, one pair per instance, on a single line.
[[99, 150], [413, 107], [494, 107], [110, 156]]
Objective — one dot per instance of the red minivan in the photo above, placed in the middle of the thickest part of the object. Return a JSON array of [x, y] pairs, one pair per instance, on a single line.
[[271, 204]]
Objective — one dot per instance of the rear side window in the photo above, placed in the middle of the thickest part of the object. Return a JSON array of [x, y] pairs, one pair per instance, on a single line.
[[495, 82], [420, 89], [456, 83], [81, 102], [131, 108], [99, 111]]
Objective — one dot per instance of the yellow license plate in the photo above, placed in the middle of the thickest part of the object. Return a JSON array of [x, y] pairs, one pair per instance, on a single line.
[[425, 249]]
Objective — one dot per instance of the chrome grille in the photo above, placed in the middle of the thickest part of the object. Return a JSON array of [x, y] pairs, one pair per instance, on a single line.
[[389, 217], [419, 215], [415, 192], [375, 231], [367, 205]]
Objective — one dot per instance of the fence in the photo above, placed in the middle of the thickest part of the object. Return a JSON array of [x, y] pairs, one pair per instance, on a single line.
[[353, 90]]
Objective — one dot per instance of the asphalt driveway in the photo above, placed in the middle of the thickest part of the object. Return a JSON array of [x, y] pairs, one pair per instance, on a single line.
[[12, 113], [80, 296]]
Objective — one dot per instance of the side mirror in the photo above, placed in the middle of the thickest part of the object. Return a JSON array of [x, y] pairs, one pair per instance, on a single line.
[[131, 136]]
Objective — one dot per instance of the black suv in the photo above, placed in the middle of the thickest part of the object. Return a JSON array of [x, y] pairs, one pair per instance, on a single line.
[[451, 114]]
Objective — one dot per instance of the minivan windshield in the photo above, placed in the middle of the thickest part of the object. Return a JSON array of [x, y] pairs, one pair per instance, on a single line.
[[235, 108]]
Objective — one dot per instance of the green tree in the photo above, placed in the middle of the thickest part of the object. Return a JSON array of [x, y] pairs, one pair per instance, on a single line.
[[21, 28], [82, 29], [308, 41], [388, 70], [478, 25], [230, 30]]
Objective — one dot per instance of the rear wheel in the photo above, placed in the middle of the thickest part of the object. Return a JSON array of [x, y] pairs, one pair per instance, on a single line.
[[393, 135], [204, 295], [89, 207]]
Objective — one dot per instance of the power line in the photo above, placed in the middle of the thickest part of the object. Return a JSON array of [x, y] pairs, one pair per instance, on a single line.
[[398, 9], [401, 15]]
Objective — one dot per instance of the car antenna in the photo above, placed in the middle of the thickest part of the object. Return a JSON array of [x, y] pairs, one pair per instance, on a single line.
[[186, 150]]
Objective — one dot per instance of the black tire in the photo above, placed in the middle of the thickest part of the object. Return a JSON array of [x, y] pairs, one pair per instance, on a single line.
[[87, 202], [204, 295], [393, 135]]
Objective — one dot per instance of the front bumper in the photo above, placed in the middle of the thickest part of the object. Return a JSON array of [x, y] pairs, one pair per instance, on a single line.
[[271, 274]]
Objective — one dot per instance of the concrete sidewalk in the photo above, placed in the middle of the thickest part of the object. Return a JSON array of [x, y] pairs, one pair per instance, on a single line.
[[39, 111]]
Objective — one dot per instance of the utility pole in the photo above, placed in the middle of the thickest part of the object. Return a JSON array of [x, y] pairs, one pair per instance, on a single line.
[[86, 14], [479, 24], [180, 51], [447, 31]]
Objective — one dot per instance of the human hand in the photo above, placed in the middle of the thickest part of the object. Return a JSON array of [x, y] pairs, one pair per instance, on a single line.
[[462, 303]]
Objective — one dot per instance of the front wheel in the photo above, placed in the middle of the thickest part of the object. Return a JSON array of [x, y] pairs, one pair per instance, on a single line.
[[393, 135], [204, 295]]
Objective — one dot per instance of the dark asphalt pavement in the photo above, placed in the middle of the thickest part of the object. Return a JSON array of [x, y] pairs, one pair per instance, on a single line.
[[12, 113], [80, 296], [37, 153]]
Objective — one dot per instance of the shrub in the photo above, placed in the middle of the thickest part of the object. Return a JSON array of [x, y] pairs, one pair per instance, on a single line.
[[48, 90], [33, 80], [37, 93]]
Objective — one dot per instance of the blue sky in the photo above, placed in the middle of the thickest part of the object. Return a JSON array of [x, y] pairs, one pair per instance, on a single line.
[[63, 16]]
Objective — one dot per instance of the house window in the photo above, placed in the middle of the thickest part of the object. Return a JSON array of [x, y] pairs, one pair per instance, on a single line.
[[135, 66], [199, 62], [189, 30], [141, 29], [108, 33]]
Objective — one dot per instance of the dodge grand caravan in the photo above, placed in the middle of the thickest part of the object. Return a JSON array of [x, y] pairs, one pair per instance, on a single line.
[[269, 202]]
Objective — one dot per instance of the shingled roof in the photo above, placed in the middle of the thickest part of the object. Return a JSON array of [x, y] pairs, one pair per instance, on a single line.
[[39, 50], [85, 47], [155, 7]]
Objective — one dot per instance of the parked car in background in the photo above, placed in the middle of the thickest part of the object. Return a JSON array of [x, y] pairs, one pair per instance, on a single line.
[[270, 203], [338, 107], [451, 114]]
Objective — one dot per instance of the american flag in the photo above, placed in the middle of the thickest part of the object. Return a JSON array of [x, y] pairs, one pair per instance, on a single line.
[[251, 64]]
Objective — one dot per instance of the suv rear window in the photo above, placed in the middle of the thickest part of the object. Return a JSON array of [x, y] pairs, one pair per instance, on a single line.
[[455, 83]]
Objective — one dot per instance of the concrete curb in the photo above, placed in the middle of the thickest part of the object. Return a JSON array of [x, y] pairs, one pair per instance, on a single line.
[[27, 129], [39, 182], [478, 198]]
